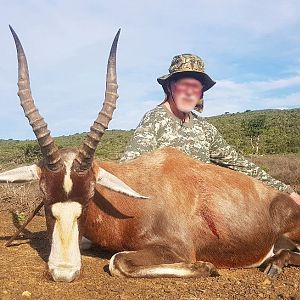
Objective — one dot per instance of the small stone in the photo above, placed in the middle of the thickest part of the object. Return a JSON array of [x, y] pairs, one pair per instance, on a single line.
[[261, 295], [26, 294], [116, 290], [267, 281], [5, 296]]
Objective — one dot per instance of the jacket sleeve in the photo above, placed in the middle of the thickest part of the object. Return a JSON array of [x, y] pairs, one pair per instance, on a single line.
[[221, 153], [143, 139]]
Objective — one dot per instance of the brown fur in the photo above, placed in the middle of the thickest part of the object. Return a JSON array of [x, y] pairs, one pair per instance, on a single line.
[[197, 211], [180, 190]]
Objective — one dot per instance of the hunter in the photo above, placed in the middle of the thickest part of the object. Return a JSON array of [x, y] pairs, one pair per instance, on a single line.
[[173, 124]]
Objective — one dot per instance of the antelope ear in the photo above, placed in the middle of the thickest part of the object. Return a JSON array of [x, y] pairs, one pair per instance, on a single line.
[[21, 174], [114, 183]]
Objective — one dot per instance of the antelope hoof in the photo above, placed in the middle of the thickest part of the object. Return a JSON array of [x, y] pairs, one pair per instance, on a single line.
[[205, 269], [272, 270], [64, 275]]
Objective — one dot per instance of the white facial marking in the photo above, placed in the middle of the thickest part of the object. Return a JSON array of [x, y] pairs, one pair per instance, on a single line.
[[64, 260], [269, 254], [68, 184]]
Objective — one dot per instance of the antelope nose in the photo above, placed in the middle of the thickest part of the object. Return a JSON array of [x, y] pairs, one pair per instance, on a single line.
[[64, 274]]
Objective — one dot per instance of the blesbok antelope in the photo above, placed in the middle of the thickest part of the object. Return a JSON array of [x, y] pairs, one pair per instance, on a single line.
[[191, 217]]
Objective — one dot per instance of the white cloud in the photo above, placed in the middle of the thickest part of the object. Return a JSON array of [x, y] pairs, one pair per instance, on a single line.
[[233, 96]]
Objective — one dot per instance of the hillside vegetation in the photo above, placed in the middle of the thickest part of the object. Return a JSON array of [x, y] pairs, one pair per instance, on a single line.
[[280, 131], [277, 132]]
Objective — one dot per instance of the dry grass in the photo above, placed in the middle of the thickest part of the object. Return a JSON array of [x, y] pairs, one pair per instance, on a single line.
[[285, 168], [19, 198]]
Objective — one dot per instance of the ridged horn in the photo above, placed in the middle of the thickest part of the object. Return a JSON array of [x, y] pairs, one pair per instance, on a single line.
[[83, 160], [49, 150]]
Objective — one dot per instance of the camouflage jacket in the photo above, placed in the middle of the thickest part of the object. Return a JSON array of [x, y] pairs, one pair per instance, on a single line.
[[201, 140]]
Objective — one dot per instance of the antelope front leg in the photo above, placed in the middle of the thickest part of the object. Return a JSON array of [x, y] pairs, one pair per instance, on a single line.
[[281, 259], [157, 262]]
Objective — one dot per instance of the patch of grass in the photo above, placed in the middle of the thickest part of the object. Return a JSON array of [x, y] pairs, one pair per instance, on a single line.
[[14, 152], [281, 132], [285, 168]]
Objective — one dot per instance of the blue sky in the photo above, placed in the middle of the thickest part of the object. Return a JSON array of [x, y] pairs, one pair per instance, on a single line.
[[251, 48]]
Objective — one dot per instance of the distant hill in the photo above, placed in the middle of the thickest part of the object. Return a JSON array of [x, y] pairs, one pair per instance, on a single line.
[[281, 134], [111, 146]]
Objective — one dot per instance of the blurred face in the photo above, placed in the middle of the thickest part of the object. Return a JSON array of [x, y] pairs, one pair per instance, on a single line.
[[186, 92]]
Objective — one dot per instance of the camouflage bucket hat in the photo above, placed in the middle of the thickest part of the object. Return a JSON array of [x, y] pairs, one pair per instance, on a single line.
[[190, 65]]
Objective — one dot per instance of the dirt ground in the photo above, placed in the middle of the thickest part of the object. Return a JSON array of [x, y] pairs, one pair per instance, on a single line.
[[22, 271]]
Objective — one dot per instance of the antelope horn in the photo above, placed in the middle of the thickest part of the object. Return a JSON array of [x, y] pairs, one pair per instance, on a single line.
[[49, 150], [83, 160]]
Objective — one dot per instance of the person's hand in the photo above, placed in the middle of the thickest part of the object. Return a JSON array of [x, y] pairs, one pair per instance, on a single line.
[[296, 197]]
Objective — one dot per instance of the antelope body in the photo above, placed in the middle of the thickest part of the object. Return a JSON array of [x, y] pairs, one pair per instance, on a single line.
[[164, 213]]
